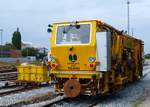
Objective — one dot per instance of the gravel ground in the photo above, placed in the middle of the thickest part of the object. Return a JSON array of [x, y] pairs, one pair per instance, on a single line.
[[43, 103], [145, 103], [2, 83], [24, 96], [129, 96]]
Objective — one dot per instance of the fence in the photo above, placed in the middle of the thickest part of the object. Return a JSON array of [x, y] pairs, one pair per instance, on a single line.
[[14, 59]]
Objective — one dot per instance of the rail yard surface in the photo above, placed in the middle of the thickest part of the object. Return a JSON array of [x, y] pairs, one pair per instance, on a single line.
[[7, 72], [134, 94]]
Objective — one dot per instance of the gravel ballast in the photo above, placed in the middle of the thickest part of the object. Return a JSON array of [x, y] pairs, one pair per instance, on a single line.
[[129, 96], [24, 96]]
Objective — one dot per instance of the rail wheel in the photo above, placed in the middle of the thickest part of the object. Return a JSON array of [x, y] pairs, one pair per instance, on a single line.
[[72, 88]]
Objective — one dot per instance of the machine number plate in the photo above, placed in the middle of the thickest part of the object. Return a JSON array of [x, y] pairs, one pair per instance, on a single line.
[[73, 66]]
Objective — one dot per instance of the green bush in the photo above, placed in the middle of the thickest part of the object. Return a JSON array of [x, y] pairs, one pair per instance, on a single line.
[[147, 56]]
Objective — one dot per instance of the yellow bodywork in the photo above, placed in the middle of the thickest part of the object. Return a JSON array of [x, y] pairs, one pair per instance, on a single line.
[[33, 73], [126, 55], [61, 52]]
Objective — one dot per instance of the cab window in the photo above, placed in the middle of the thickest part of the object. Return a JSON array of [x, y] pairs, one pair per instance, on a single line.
[[70, 34]]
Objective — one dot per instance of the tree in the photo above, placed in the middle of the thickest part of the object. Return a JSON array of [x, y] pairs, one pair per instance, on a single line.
[[147, 56], [29, 52], [7, 47], [16, 39]]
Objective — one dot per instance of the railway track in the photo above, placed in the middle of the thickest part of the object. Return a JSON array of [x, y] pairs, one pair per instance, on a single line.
[[17, 89], [82, 101], [8, 73], [63, 101], [8, 86], [55, 99], [8, 76], [7, 91]]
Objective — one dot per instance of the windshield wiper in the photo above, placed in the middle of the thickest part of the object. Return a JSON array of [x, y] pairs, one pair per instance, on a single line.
[[65, 29], [77, 26]]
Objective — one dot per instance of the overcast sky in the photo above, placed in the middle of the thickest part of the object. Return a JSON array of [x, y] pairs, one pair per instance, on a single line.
[[33, 16]]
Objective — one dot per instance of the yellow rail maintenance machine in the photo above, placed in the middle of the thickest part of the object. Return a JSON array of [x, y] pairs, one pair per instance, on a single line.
[[91, 58]]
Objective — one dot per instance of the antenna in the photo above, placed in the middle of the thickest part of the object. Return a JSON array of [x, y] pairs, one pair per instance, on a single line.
[[128, 16]]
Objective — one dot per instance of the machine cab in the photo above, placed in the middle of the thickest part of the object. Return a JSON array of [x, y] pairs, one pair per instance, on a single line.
[[73, 46]]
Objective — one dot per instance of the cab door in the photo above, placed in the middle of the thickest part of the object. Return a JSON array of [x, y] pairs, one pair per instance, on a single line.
[[103, 47]]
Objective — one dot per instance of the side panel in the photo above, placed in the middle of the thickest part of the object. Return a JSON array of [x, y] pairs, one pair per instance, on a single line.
[[33, 73], [103, 45]]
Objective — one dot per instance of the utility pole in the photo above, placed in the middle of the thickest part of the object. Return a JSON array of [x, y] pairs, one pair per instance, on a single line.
[[1, 30], [128, 15]]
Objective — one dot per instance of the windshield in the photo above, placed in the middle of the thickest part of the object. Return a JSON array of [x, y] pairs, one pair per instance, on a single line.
[[72, 34]]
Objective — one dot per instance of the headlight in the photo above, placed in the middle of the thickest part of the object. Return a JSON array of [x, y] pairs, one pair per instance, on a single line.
[[91, 59], [52, 59]]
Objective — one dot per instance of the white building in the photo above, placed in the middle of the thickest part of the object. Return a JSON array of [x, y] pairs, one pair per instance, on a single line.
[[26, 45]]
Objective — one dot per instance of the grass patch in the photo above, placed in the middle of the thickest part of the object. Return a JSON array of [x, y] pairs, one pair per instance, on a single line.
[[7, 64]]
